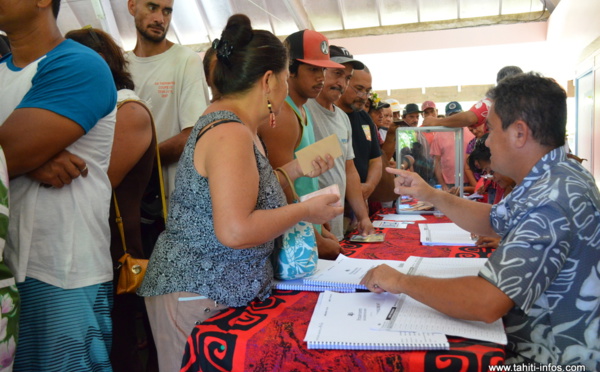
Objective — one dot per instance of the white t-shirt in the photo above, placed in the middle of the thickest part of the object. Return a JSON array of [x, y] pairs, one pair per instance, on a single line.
[[61, 236], [326, 123], [173, 86]]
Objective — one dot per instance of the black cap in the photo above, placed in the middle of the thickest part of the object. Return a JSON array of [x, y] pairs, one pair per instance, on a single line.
[[342, 55], [410, 108]]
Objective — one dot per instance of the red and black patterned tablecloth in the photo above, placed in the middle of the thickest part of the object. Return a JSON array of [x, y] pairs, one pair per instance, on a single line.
[[268, 335]]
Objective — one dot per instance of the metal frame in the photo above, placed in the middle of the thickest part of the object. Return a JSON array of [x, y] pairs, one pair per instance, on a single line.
[[458, 155]]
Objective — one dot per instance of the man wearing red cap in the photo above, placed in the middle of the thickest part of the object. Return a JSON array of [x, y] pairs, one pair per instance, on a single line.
[[309, 57], [428, 109], [330, 119]]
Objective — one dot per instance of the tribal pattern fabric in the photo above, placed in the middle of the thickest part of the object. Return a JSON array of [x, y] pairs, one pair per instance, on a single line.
[[268, 335]]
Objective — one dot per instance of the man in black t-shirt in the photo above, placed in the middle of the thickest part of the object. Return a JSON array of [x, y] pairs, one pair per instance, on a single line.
[[364, 133]]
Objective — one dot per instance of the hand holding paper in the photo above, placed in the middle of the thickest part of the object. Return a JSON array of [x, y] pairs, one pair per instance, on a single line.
[[323, 206], [411, 184], [332, 189], [328, 145]]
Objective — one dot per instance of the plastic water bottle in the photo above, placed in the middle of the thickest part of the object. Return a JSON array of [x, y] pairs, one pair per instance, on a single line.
[[437, 212]]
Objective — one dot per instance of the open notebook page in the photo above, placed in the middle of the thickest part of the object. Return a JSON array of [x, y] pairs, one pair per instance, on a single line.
[[345, 321], [348, 272]]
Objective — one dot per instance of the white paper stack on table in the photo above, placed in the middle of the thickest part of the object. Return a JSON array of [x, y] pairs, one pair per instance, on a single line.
[[443, 267], [444, 234], [346, 321], [402, 217], [299, 285], [342, 275], [411, 315], [347, 272], [370, 321], [390, 224]]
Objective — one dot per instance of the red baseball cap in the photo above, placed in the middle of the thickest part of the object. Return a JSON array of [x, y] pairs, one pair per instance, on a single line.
[[310, 47]]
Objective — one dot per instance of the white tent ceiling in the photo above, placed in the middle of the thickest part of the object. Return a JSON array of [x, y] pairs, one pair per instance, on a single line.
[[196, 22]]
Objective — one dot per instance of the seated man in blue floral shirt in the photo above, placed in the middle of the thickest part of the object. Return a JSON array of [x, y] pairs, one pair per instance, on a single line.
[[544, 278]]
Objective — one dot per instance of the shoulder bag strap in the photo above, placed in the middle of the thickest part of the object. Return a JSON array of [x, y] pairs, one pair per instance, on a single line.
[[119, 221], [157, 157], [287, 177]]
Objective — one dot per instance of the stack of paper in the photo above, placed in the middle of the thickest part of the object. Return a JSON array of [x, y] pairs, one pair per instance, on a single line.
[[445, 234], [371, 321], [347, 321], [443, 267], [409, 314], [402, 217], [342, 275], [299, 285], [348, 272], [390, 224]]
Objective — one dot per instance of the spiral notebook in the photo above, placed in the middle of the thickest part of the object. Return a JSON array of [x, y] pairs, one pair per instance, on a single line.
[[347, 272], [299, 285], [411, 315], [346, 321]]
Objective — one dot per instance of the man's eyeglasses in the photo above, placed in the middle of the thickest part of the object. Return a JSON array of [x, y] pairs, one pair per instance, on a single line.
[[362, 93]]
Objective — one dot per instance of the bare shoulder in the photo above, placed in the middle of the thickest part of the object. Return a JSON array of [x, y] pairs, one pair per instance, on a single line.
[[223, 146], [134, 113]]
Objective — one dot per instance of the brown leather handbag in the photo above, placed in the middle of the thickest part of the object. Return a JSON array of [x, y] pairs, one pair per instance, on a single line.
[[131, 273]]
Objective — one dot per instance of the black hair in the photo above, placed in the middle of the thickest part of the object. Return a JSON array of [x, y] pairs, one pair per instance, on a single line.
[[423, 166], [480, 153], [103, 44], [294, 66], [507, 71], [244, 55], [538, 101], [55, 8], [4, 45], [208, 63]]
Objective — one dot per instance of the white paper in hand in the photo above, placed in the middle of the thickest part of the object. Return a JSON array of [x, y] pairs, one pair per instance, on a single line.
[[333, 189]]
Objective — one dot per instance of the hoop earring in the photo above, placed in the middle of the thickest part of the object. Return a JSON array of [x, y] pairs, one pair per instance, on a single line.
[[271, 114]]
